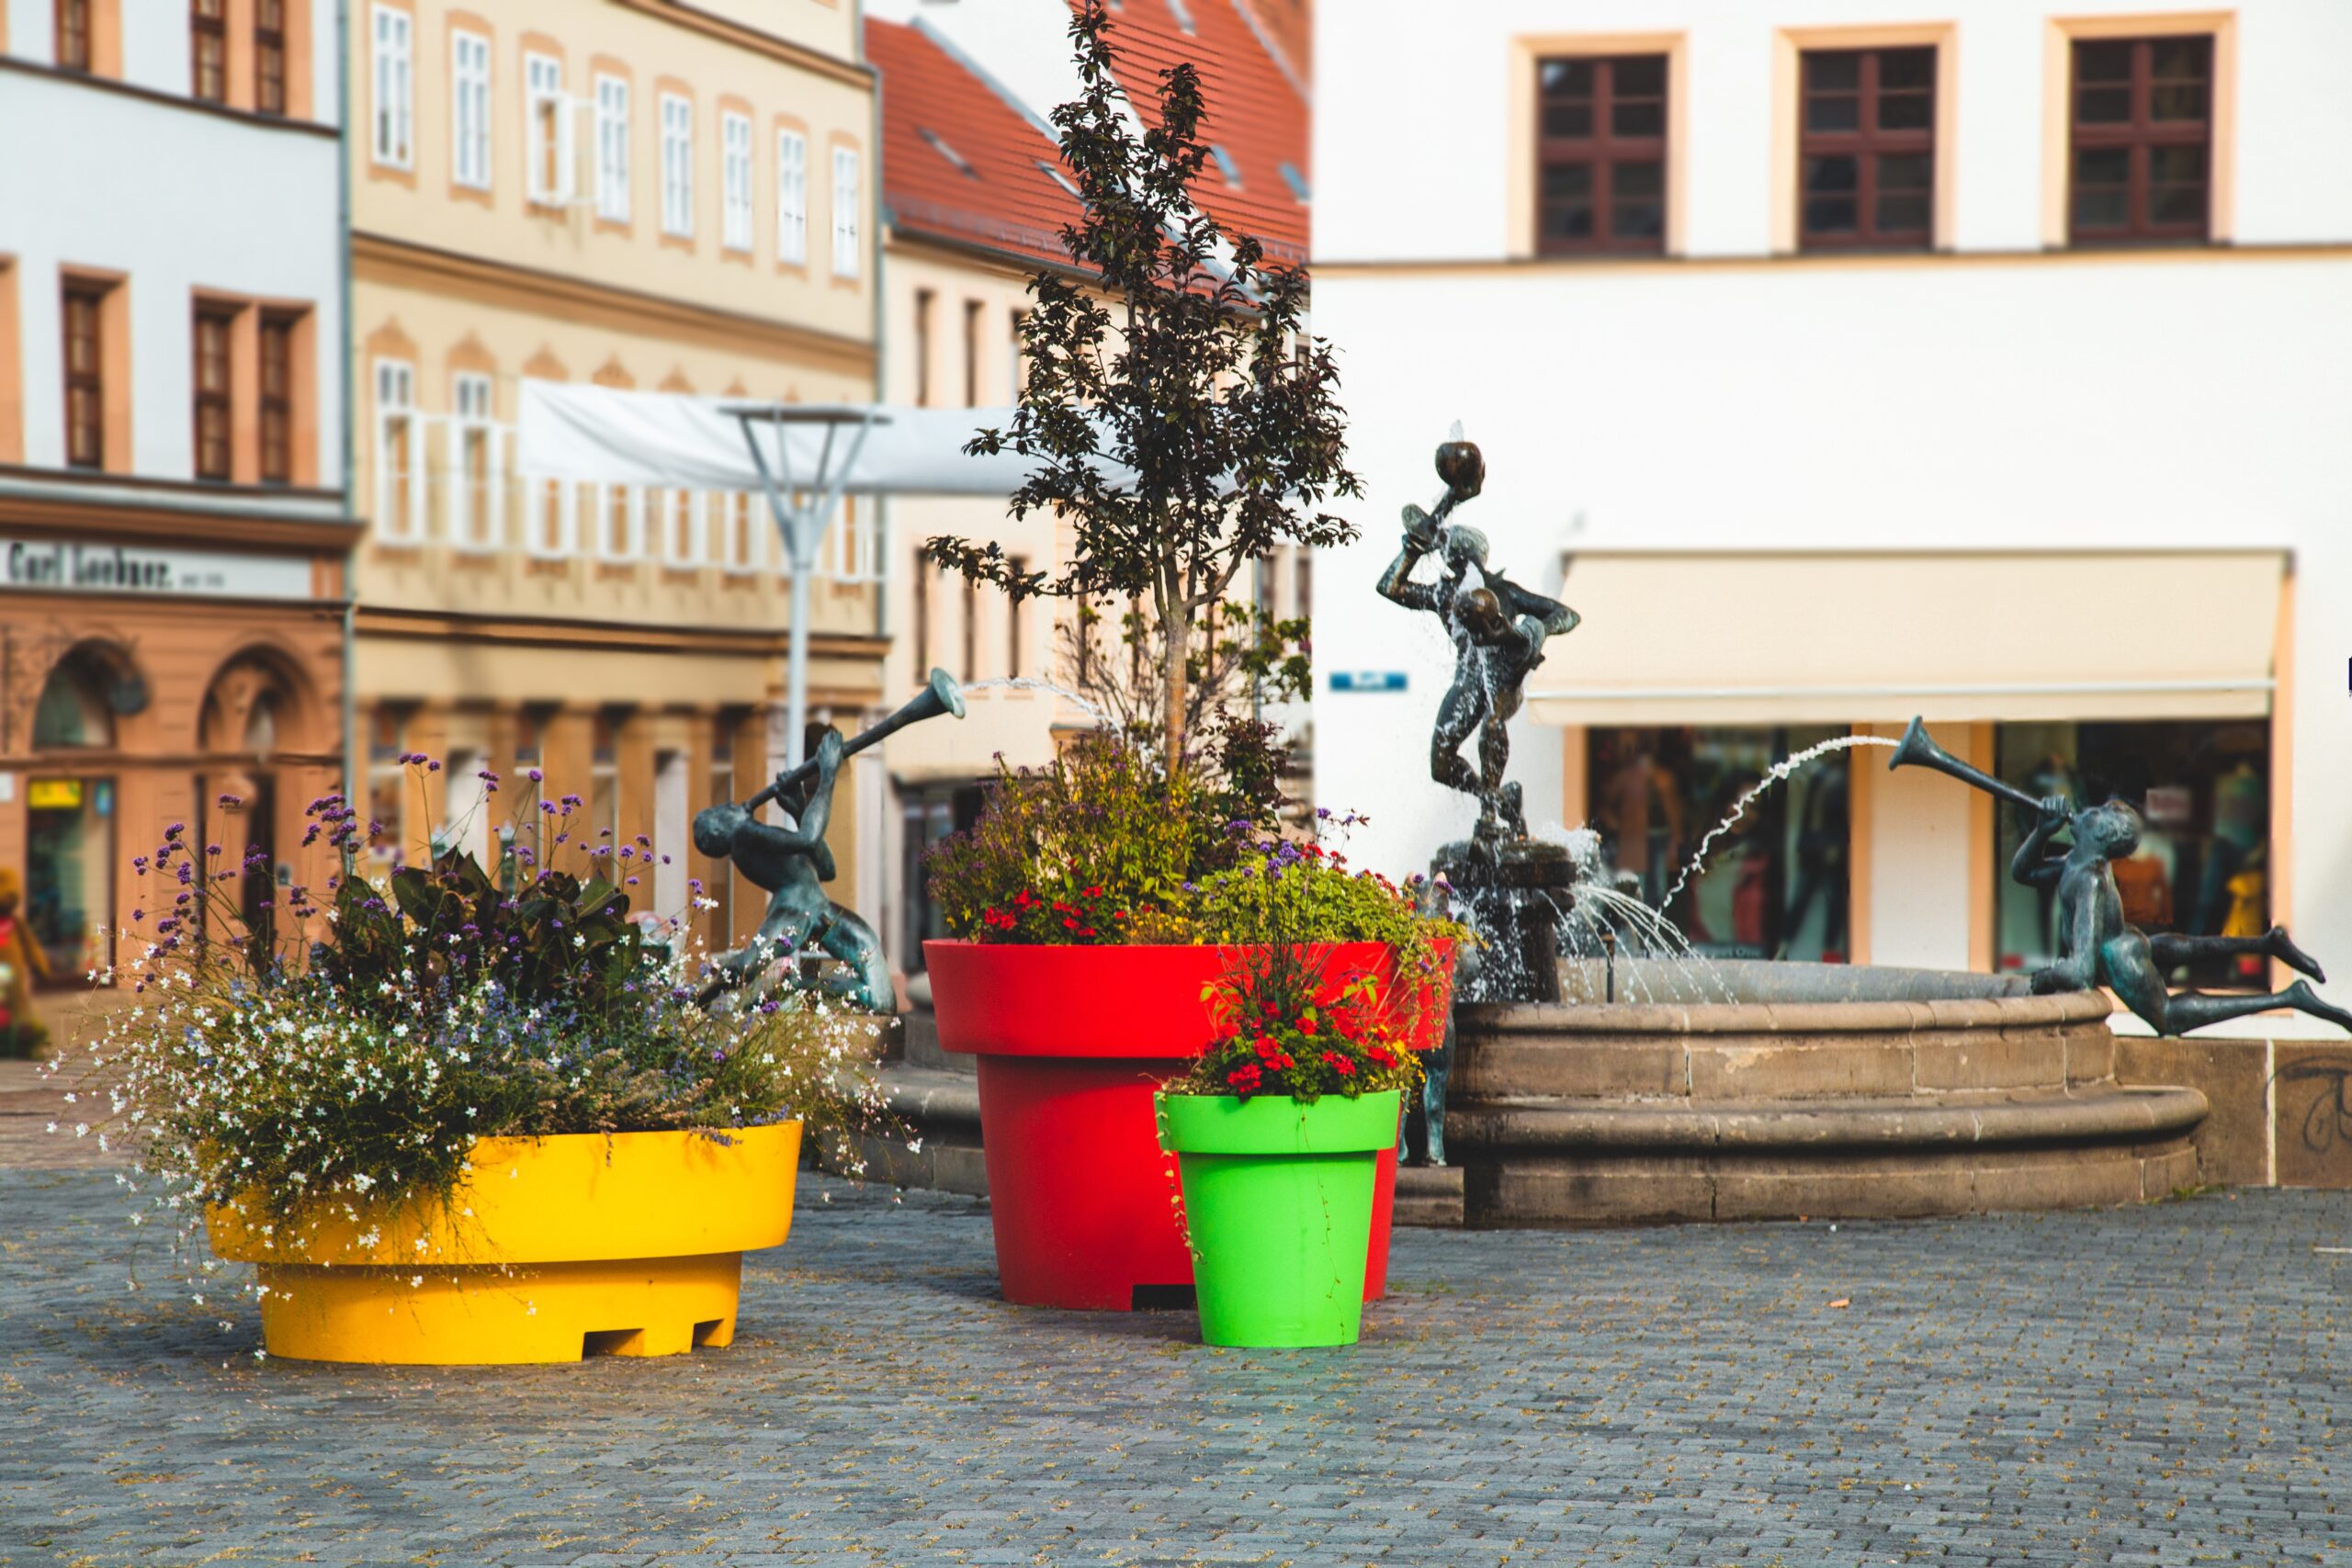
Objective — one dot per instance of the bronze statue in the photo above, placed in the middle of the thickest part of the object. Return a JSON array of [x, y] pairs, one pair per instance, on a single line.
[[791, 862], [2095, 945], [1498, 630]]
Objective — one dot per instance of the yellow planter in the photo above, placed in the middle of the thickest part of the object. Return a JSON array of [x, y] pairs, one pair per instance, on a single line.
[[626, 1245]]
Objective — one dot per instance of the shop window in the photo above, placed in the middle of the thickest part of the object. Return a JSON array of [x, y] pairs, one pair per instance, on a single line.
[[71, 711], [719, 875], [1867, 174], [387, 784], [603, 825], [2202, 867], [69, 822], [1777, 883], [927, 814], [1600, 154], [2142, 139]]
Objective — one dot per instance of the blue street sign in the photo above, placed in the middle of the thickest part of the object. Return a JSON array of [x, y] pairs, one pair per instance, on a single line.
[[1368, 680]]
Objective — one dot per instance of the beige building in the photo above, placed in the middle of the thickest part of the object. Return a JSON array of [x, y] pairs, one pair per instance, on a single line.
[[636, 195]]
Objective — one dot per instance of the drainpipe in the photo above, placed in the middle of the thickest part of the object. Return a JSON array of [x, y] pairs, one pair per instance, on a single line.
[[351, 773]]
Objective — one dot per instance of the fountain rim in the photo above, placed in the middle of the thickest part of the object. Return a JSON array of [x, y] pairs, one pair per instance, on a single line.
[[1784, 1017]]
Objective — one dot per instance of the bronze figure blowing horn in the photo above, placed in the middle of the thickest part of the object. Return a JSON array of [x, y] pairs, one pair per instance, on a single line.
[[1919, 750], [941, 696]]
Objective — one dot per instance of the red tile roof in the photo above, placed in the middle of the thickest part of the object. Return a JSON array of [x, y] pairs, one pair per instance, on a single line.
[[1257, 113], [960, 162]]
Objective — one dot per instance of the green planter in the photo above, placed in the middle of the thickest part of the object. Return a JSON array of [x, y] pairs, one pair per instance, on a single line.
[[1278, 1204]]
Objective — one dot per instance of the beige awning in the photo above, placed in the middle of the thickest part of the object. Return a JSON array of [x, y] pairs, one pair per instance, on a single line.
[[1680, 638]]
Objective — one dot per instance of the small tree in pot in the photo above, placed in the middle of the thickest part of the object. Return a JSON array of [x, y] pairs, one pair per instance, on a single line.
[[1185, 421]]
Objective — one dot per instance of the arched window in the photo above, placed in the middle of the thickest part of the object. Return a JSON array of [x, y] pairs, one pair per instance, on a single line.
[[72, 710]]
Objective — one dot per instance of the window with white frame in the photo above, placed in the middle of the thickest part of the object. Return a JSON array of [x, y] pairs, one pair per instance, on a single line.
[[612, 148], [681, 520], [400, 493], [846, 256], [394, 83], [740, 547], [477, 491], [791, 198], [735, 182], [619, 522], [469, 110], [677, 165], [547, 129]]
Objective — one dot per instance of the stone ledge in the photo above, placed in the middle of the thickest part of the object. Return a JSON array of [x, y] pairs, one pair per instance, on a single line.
[[1753, 1126], [1629, 1019]]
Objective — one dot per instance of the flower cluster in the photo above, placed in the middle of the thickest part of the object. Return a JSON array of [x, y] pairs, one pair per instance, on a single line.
[[1032, 916], [298, 1079], [1284, 1026]]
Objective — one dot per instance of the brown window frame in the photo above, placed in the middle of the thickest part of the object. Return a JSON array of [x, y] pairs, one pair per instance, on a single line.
[[276, 378], [972, 309], [85, 432], [923, 297], [1867, 144], [213, 406], [76, 49], [1012, 617], [1605, 153], [269, 57], [2138, 137], [207, 27]]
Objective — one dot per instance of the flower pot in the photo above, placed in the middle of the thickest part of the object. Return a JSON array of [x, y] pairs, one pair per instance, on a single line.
[[547, 1251], [1278, 1198], [1072, 1043]]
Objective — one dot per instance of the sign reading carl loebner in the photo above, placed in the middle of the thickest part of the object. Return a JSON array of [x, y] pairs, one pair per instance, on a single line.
[[65, 566]]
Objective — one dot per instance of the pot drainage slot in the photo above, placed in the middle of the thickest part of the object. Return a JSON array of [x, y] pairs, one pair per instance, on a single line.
[[704, 1330], [1161, 1297], [608, 1342]]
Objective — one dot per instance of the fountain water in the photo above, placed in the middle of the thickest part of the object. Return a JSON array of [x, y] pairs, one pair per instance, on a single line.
[[1033, 684], [1779, 772]]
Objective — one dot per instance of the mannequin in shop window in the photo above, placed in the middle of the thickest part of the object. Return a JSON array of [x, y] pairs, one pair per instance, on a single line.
[[2098, 946], [21, 962]]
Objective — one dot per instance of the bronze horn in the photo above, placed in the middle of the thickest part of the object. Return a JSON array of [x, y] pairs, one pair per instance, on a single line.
[[1918, 750], [940, 695]]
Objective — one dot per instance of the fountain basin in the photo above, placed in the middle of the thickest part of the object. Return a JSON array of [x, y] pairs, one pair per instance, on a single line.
[[1803, 1090]]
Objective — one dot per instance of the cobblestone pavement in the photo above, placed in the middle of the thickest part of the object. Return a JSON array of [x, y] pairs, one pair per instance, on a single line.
[[2170, 1384]]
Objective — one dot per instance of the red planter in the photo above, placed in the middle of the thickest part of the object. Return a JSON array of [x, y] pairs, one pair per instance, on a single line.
[[1072, 1043]]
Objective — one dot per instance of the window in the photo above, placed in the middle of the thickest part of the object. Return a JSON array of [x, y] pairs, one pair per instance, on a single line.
[[469, 110], [547, 127], [400, 494], [277, 398], [1777, 885], [269, 56], [1600, 154], [208, 49], [682, 514], [919, 614], [213, 326], [972, 354], [390, 127], [73, 35], [2143, 144], [735, 181], [477, 491], [677, 166], [971, 630], [923, 348], [86, 403], [612, 149], [2202, 866], [1868, 148], [791, 198], [1016, 358], [846, 259], [623, 512]]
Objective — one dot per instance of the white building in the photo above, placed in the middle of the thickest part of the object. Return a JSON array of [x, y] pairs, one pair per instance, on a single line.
[[172, 517], [1854, 362]]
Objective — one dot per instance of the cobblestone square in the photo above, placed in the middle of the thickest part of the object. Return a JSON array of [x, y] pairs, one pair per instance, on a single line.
[[2166, 1384]]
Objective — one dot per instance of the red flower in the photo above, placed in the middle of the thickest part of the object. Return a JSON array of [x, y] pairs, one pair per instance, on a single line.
[[1339, 1063], [1307, 1026], [1268, 1010], [1383, 1055], [1245, 1078], [1095, 891]]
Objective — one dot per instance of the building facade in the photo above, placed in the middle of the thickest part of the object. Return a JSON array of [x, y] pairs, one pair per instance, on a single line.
[[173, 528], [1839, 367], [639, 195]]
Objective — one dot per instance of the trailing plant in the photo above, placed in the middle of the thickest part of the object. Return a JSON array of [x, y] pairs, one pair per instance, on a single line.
[[305, 1078], [1185, 421]]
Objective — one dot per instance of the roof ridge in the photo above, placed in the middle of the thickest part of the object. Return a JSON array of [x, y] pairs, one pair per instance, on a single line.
[[981, 74], [1266, 41]]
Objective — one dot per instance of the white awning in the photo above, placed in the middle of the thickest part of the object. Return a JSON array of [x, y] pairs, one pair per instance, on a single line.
[[608, 435], [1792, 638]]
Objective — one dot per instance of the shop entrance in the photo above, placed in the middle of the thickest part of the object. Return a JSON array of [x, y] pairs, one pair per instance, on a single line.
[[69, 817]]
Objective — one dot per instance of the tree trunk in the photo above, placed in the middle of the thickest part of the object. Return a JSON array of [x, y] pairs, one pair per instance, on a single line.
[[1172, 676]]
